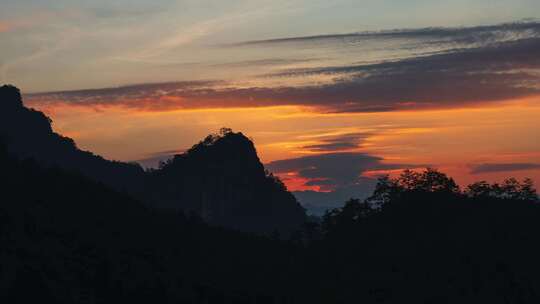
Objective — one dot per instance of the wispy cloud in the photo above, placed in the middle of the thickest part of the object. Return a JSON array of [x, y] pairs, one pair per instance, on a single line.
[[35, 19], [338, 143], [265, 62], [5, 26], [331, 170], [189, 34], [179, 38], [506, 68], [460, 36], [503, 167]]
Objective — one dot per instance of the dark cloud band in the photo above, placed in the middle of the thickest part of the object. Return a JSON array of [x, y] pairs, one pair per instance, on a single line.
[[505, 68], [468, 35], [494, 168]]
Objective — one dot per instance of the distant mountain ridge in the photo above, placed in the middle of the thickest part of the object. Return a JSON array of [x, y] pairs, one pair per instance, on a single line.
[[221, 178]]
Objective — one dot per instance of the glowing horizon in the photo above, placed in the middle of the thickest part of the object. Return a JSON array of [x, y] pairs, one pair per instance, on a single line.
[[453, 140]]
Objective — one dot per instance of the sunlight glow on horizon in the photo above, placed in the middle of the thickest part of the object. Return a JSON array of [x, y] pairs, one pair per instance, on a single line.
[[449, 139]]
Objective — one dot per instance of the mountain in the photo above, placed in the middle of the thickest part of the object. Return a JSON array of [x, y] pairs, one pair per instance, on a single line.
[[28, 134], [68, 239], [221, 178]]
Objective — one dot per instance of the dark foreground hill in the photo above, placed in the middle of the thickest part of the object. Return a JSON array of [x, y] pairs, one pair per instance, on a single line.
[[221, 179], [66, 238], [27, 133]]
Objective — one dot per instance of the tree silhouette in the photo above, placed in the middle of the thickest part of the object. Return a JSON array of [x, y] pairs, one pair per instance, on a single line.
[[341, 220], [429, 180], [510, 189]]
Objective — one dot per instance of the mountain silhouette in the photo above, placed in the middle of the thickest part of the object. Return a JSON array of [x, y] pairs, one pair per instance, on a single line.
[[28, 134], [221, 178], [68, 239]]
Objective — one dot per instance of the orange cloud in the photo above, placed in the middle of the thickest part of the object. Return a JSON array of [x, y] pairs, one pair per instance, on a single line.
[[12, 25], [296, 182], [450, 140], [33, 19], [5, 27]]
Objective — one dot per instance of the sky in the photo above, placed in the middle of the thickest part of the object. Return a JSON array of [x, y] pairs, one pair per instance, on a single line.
[[333, 93]]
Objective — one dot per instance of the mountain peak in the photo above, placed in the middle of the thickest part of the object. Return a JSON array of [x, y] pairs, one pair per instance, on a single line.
[[226, 144]]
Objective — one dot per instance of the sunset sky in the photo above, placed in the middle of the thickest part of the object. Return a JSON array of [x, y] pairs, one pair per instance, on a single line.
[[333, 93]]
